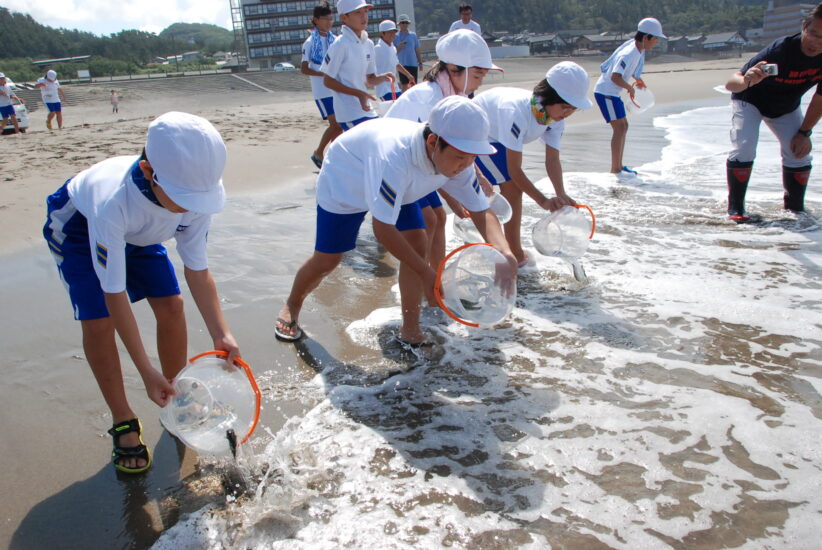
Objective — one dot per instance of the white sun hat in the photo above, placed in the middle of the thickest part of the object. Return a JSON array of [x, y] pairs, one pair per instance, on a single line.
[[462, 124], [51, 75], [347, 6], [387, 25], [651, 26], [466, 49], [570, 81], [188, 156]]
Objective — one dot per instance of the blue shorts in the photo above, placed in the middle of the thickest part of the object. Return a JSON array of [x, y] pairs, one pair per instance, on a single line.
[[149, 272], [326, 106], [337, 233], [387, 96], [611, 107], [54, 107], [7, 111], [350, 124], [495, 167], [431, 199]]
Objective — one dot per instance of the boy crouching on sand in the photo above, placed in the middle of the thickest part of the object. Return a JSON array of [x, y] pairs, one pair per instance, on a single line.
[[104, 227], [385, 167]]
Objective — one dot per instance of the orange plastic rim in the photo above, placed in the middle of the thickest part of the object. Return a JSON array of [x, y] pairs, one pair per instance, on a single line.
[[393, 91], [593, 218], [258, 397], [437, 285]]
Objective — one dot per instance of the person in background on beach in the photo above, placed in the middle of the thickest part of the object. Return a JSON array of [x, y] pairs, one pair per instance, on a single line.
[[758, 95], [465, 21], [314, 50], [115, 102], [408, 51], [518, 117], [385, 167], [6, 106], [53, 96], [387, 60], [463, 61], [350, 68], [627, 61], [104, 228]]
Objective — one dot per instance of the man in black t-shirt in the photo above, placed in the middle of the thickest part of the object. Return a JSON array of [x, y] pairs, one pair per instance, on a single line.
[[760, 96]]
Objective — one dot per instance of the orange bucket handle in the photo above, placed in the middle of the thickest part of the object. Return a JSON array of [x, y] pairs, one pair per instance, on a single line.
[[258, 397], [393, 91], [593, 218], [437, 284]]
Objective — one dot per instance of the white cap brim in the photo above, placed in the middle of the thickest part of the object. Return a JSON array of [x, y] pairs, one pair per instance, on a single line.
[[201, 202], [470, 146]]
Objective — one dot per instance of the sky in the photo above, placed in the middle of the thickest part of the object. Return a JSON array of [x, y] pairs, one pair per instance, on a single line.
[[103, 17]]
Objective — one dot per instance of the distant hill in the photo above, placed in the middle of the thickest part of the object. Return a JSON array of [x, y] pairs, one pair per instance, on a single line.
[[209, 38], [677, 16]]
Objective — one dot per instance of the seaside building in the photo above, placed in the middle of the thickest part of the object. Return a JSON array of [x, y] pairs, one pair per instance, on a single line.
[[783, 18], [273, 31]]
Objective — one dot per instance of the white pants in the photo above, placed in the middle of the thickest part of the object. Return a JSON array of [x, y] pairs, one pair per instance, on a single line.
[[745, 123]]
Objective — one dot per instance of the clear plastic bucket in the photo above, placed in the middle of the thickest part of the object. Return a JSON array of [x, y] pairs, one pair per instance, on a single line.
[[383, 106], [465, 229], [643, 100], [564, 233], [212, 398], [469, 289]]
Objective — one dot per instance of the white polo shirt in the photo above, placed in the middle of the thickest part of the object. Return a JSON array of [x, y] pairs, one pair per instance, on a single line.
[[416, 103], [625, 64], [49, 92], [118, 213], [349, 59], [386, 62], [380, 166], [511, 121], [471, 26], [5, 97], [318, 89]]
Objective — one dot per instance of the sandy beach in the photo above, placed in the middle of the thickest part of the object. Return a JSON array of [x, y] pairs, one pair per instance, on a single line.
[[59, 487]]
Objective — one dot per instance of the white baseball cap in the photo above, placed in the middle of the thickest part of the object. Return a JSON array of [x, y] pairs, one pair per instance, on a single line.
[[570, 81], [462, 124], [2, 75], [387, 25], [404, 19], [347, 6], [466, 49], [188, 156], [51, 75], [651, 26]]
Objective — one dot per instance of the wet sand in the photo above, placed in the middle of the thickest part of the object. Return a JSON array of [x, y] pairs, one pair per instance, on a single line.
[[60, 489]]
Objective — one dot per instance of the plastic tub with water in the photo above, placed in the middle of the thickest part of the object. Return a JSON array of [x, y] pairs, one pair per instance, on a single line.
[[465, 229], [564, 233], [643, 100]]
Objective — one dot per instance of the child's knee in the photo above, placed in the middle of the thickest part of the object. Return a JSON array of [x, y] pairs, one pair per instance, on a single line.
[[168, 307]]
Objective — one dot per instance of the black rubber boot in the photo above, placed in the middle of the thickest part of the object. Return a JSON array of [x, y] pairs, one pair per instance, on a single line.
[[738, 175], [795, 181]]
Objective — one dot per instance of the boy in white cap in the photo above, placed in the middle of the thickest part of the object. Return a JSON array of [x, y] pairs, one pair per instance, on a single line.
[[387, 61], [517, 117], [627, 61], [314, 50], [53, 96], [384, 167], [463, 61], [6, 106], [104, 228], [350, 68]]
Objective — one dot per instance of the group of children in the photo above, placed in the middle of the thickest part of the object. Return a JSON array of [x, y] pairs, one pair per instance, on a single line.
[[51, 92], [105, 225]]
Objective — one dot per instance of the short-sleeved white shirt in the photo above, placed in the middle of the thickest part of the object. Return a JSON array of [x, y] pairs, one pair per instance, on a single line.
[[416, 103], [511, 121], [349, 60], [386, 62], [5, 98], [118, 214], [380, 166], [49, 92], [624, 64], [471, 26], [318, 89]]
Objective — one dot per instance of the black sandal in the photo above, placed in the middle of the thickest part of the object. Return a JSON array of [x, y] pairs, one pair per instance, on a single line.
[[138, 451]]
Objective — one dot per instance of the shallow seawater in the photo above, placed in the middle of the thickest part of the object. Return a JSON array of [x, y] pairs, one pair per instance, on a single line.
[[672, 401]]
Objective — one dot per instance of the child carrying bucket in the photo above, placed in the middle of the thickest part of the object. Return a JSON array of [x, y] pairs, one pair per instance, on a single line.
[[385, 167], [104, 228], [518, 117]]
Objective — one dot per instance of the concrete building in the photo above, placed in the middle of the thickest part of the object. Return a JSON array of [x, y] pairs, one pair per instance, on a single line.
[[783, 18], [274, 30]]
